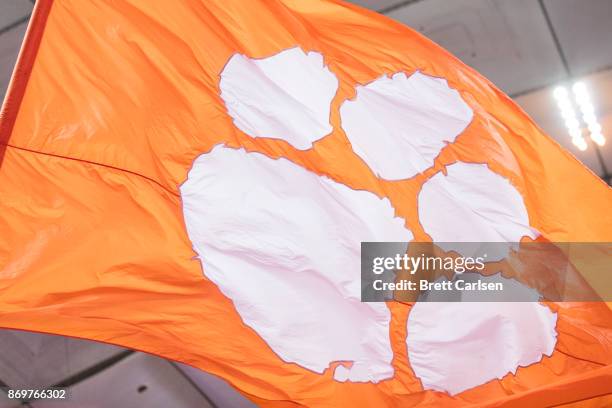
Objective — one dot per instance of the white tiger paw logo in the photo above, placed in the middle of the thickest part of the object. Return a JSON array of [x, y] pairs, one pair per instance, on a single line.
[[283, 243]]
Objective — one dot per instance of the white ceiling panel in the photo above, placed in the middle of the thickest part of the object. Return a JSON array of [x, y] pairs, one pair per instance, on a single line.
[[219, 391], [39, 360], [13, 10], [35, 360], [584, 29], [507, 41], [138, 381]]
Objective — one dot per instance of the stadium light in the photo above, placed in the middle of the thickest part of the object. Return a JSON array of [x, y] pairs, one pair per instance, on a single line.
[[568, 113], [574, 125]]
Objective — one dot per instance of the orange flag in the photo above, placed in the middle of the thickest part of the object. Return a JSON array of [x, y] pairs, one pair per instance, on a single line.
[[193, 179]]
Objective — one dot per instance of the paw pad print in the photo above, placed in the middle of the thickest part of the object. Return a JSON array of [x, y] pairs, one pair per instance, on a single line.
[[472, 204], [283, 243], [456, 346], [286, 96], [399, 124]]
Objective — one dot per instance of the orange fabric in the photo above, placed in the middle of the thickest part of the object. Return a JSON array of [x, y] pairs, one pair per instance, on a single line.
[[123, 95]]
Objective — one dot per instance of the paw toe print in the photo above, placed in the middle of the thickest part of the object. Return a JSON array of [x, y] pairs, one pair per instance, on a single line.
[[399, 124], [456, 346], [473, 204], [286, 96]]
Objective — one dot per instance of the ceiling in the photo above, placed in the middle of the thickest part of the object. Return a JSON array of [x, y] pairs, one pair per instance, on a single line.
[[104, 376], [524, 46], [510, 42]]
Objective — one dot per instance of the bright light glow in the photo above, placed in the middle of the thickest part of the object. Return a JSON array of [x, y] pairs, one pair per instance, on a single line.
[[598, 138], [575, 133], [582, 100], [594, 128], [560, 93], [565, 104], [572, 123], [581, 94], [589, 118], [580, 143], [579, 87], [568, 113], [587, 108]]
